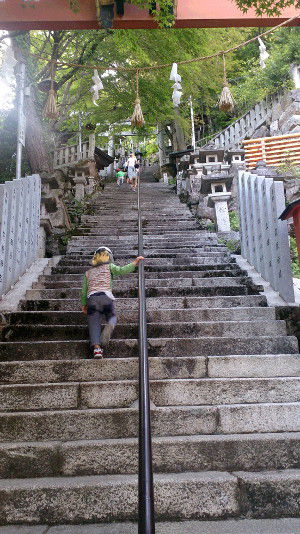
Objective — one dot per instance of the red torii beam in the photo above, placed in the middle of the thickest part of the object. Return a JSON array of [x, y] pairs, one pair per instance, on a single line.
[[56, 15]]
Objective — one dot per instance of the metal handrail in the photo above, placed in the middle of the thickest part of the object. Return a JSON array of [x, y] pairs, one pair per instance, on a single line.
[[146, 494]]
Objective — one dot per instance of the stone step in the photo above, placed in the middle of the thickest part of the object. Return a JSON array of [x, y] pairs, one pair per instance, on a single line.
[[96, 423], [192, 230], [229, 526], [197, 255], [85, 242], [154, 316], [76, 279], [171, 392], [160, 303], [179, 282], [129, 331], [236, 452], [153, 267], [163, 291], [231, 366], [101, 234], [86, 253], [158, 347], [113, 498]]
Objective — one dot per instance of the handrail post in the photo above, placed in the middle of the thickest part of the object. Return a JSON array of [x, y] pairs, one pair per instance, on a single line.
[[146, 494]]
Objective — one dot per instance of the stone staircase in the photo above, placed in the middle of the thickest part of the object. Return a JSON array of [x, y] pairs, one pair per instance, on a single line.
[[224, 383]]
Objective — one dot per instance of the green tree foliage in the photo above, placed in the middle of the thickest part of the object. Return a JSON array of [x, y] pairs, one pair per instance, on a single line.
[[266, 6], [128, 49], [250, 83], [135, 48]]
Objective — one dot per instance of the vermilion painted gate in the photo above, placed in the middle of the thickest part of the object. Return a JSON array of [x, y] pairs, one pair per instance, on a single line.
[[56, 14]]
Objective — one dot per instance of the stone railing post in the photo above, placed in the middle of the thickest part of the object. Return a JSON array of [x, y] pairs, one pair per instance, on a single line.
[[92, 145], [264, 238], [220, 202], [19, 223], [80, 183]]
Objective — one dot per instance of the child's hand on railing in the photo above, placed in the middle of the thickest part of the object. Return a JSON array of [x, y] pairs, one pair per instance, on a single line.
[[138, 259], [84, 310]]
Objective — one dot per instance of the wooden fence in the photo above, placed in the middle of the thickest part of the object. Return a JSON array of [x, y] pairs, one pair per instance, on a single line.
[[276, 151]]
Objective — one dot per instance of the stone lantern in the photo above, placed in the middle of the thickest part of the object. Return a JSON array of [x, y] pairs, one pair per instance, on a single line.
[[291, 183], [233, 156], [216, 185], [80, 183], [210, 154]]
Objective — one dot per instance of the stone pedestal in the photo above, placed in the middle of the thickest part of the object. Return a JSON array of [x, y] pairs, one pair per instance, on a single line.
[[220, 202], [80, 183], [89, 188], [45, 230]]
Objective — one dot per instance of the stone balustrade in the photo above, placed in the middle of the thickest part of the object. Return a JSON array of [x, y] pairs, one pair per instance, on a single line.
[[245, 126], [275, 115], [71, 154], [20, 202], [264, 238]]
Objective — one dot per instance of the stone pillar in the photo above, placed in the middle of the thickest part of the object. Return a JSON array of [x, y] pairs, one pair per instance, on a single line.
[[111, 152], [89, 188], [80, 182], [42, 241], [161, 145], [220, 202], [92, 144]]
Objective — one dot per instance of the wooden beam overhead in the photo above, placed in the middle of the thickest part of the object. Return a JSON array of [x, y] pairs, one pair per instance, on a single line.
[[56, 14]]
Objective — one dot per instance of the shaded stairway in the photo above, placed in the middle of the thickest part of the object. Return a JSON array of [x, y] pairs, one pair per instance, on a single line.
[[223, 381]]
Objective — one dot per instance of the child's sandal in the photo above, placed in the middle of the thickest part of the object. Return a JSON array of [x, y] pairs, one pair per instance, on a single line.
[[98, 353]]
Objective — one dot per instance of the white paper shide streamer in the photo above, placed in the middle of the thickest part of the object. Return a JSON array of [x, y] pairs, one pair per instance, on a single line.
[[263, 54], [98, 86], [177, 89]]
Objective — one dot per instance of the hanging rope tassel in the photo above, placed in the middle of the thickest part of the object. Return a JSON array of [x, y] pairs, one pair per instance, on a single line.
[[226, 102], [50, 109], [137, 118]]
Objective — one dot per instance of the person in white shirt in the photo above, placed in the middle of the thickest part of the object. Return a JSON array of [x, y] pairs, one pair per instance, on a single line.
[[131, 170]]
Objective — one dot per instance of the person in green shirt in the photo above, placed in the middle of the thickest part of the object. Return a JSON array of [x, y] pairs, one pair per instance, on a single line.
[[120, 176], [97, 298]]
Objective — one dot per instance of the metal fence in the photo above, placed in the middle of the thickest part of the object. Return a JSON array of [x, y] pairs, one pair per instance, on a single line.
[[264, 238], [19, 228]]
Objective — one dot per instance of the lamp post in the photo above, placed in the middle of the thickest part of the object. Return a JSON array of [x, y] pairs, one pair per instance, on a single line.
[[193, 123], [21, 120], [79, 136]]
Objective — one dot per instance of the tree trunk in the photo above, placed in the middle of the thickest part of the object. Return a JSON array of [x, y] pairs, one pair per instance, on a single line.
[[180, 141], [161, 144], [36, 148]]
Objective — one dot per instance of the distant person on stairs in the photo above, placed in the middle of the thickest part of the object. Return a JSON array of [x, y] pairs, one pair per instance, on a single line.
[[131, 170], [97, 299], [120, 175]]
